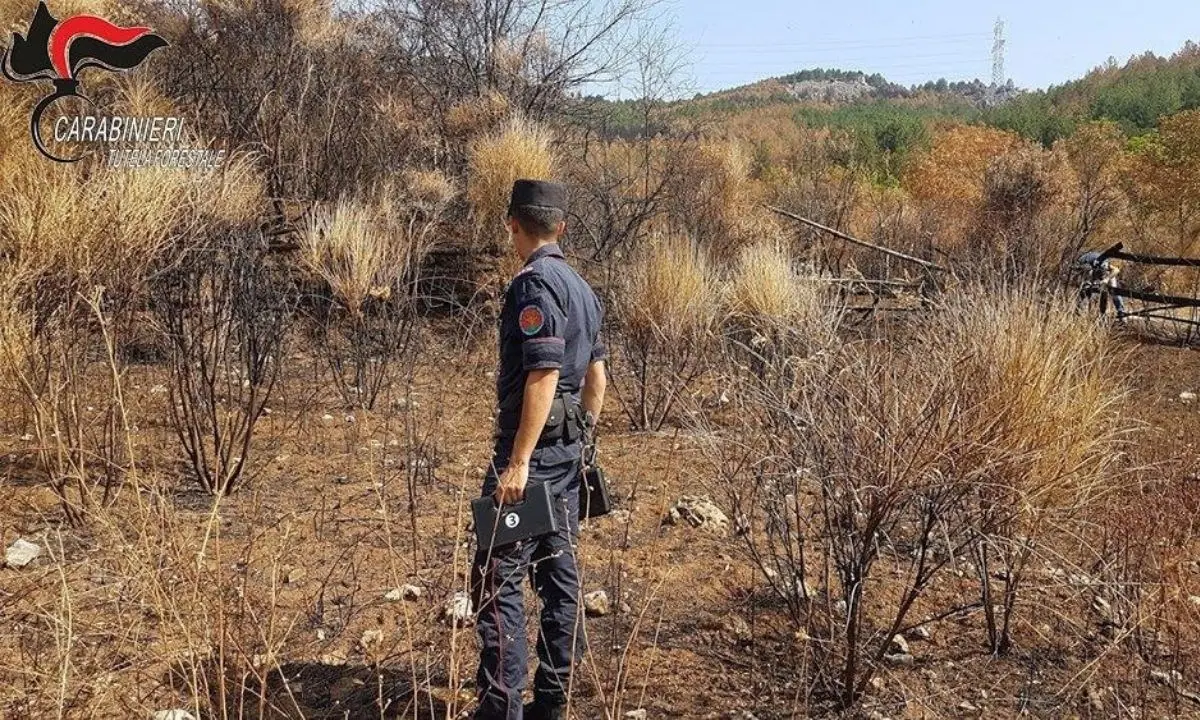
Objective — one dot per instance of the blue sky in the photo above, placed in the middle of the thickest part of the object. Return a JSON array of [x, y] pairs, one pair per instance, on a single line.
[[734, 42]]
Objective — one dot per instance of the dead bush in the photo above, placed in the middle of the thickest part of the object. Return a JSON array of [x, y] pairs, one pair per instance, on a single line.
[[854, 465], [225, 311], [1021, 233]]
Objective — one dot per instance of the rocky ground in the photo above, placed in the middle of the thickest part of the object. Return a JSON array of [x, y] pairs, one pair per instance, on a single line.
[[332, 585]]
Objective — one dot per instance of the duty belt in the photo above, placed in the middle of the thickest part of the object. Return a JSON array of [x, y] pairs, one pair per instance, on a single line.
[[563, 424]]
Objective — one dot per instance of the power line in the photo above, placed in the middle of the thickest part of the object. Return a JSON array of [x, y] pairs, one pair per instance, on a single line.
[[881, 69], [855, 58], [881, 42]]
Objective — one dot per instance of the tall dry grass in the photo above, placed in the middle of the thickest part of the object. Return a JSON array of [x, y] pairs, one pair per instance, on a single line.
[[372, 248], [670, 291], [520, 149], [110, 227], [777, 321], [767, 289], [347, 247], [1045, 395], [715, 197], [666, 312], [1043, 388]]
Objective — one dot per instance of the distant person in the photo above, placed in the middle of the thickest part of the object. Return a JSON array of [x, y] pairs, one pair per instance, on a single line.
[[1100, 278], [550, 353]]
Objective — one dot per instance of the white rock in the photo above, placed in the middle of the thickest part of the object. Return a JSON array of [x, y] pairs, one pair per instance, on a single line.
[[920, 633], [595, 604], [370, 638], [1187, 397], [699, 512], [327, 417], [21, 553], [404, 592], [639, 714], [898, 645], [176, 714], [1169, 678], [900, 659], [457, 610]]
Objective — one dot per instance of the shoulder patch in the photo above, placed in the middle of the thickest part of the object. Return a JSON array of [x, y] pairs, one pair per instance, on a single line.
[[531, 319]]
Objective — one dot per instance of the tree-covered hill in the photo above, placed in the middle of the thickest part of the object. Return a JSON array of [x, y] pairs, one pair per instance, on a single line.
[[1135, 96]]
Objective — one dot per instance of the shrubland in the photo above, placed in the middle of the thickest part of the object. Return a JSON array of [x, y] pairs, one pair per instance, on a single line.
[[246, 408]]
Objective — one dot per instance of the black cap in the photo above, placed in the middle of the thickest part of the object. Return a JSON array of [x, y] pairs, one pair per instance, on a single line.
[[538, 193]]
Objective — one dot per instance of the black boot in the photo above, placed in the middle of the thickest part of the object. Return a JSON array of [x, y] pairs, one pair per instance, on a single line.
[[539, 710]]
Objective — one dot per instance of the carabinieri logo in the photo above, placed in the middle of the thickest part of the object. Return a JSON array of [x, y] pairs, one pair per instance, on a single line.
[[58, 51]]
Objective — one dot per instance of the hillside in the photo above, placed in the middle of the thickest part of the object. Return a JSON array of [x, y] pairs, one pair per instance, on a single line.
[[1136, 96], [885, 120]]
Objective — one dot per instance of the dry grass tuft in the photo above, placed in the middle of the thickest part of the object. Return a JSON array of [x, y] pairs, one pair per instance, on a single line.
[[764, 284], [476, 115], [345, 247], [1044, 385], [236, 195], [138, 96], [99, 230], [314, 23], [431, 189], [766, 296], [520, 150], [365, 250], [670, 292]]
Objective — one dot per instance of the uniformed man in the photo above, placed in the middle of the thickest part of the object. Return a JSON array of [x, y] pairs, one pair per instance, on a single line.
[[550, 352]]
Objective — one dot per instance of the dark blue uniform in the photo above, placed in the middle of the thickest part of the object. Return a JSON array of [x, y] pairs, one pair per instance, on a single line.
[[551, 320]]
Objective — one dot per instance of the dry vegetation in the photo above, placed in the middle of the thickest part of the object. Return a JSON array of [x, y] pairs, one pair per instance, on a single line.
[[244, 409]]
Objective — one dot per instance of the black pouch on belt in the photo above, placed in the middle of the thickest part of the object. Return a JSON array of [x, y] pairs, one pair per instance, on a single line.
[[555, 421]]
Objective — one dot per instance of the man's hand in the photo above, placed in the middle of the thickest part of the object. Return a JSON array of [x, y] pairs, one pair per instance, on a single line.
[[511, 488]]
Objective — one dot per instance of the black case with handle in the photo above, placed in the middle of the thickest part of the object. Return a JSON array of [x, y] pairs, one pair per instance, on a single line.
[[594, 497]]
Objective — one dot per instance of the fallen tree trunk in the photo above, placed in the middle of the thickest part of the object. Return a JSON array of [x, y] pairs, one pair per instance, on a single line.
[[856, 241]]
